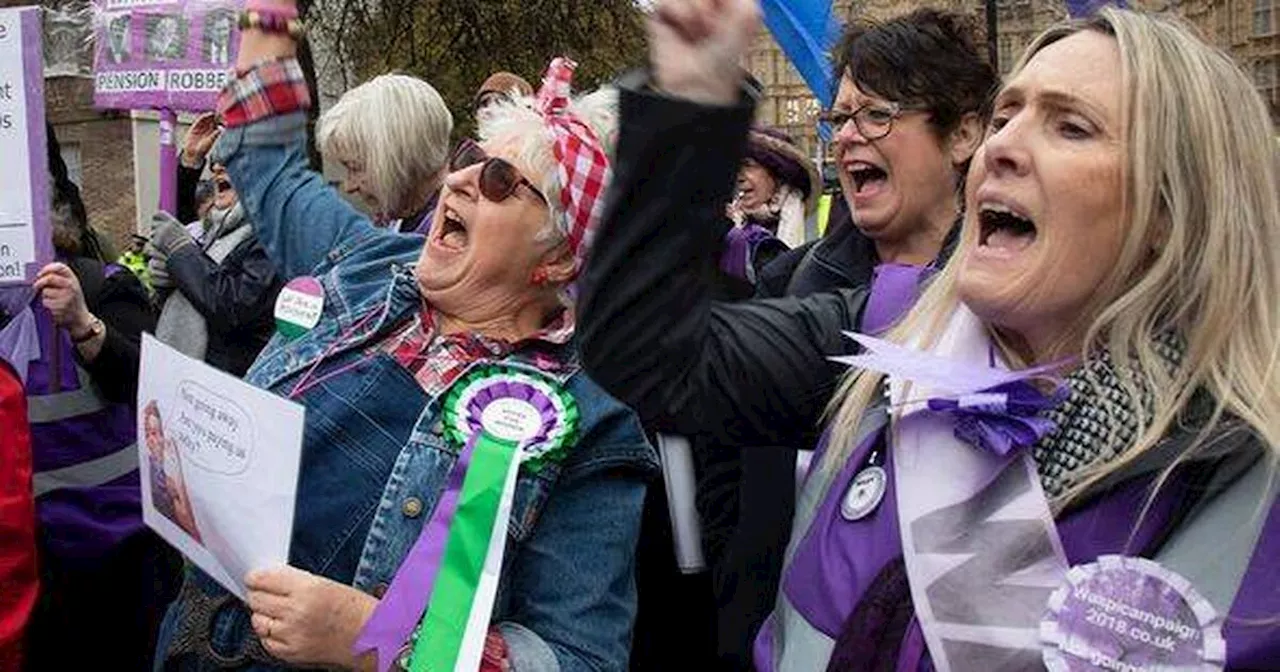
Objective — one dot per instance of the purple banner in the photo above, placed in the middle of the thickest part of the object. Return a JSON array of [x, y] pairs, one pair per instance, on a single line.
[[25, 240], [163, 55]]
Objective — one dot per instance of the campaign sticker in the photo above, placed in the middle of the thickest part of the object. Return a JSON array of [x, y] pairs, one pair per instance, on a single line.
[[1130, 614], [298, 306]]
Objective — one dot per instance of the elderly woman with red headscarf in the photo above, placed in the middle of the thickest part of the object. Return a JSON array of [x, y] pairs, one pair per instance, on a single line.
[[466, 495]]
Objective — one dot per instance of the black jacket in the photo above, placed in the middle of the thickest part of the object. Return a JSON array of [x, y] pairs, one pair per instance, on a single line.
[[748, 373], [237, 298], [118, 298], [842, 258]]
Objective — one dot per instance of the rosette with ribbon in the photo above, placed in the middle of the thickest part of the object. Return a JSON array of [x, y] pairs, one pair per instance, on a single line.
[[501, 417]]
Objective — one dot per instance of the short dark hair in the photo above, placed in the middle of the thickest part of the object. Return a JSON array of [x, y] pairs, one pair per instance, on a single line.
[[926, 58]]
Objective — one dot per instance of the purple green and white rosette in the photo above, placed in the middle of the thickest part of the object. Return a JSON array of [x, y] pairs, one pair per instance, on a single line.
[[501, 418], [514, 406], [1130, 614]]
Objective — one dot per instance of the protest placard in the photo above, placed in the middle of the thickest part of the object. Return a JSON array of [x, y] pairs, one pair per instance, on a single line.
[[219, 462], [163, 55], [25, 241]]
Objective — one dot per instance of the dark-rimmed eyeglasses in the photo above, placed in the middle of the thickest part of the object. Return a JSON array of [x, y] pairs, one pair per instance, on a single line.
[[873, 120], [499, 179]]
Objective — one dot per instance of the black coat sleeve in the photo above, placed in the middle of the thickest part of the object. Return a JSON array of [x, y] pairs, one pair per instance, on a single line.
[[746, 373], [231, 296], [125, 310], [188, 180], [773, 279]]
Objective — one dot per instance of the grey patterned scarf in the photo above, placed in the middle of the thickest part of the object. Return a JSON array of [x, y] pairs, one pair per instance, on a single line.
[[1091, 430], [181, 325]]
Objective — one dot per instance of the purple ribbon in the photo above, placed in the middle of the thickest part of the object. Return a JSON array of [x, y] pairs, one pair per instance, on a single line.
[[739, 250], [894, 288], [19, 340], [1001, 418], [995, 409], [400, 609]]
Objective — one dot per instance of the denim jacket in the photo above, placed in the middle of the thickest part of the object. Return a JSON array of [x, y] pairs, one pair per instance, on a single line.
[[374, 459]]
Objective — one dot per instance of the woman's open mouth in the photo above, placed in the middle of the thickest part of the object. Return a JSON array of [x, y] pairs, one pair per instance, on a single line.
[[868, 178], [1002, 229], [452, 234]]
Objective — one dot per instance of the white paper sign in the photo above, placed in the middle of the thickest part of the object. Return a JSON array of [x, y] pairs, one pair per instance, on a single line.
[[219, 462], [25, 243]]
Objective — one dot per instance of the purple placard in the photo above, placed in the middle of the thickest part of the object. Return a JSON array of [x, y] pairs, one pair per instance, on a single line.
[[163, 55], [26, 243]]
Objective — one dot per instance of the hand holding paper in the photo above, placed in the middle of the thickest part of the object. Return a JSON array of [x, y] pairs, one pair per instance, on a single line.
[[306, 619]]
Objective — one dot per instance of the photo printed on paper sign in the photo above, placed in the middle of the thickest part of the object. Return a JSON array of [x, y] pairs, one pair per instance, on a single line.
[[216, 36], [119, 38], [166, 37]]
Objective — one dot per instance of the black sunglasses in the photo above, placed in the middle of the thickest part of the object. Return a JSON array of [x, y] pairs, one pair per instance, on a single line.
[[498, 178]]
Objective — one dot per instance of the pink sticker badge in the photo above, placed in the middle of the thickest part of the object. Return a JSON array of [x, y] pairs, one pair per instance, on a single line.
[[298, 307]]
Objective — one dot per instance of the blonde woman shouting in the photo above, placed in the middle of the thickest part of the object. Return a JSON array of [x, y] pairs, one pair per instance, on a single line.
[[1063, 455]]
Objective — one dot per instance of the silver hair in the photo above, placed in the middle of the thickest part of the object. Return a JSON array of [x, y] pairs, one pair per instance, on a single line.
[[397, 127], [516, 123]]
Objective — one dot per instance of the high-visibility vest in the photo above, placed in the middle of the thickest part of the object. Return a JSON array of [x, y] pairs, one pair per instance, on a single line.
[[84, 451]]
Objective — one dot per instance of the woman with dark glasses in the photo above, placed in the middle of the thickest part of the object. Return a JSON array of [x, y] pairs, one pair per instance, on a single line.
[[466, 493]]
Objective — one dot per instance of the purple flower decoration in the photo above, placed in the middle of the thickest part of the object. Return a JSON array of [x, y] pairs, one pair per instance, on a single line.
[[1003, 417]]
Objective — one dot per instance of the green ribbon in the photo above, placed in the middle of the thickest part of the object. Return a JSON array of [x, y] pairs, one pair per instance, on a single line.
[[440, 636]]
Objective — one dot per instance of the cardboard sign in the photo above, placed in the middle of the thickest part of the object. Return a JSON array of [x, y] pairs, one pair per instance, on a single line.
[[164, 55], [25, 240]]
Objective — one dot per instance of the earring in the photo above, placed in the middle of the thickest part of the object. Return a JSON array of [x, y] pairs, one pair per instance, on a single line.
[[539, 277]]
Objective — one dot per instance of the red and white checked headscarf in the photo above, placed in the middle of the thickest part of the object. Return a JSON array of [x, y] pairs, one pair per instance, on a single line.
[[583, 165]]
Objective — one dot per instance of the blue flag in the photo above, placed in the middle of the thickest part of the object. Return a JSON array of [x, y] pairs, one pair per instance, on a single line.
[[806, 31], [1082, 8]]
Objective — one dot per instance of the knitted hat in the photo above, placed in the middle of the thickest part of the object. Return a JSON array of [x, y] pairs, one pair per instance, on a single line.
[[776, 153], [504, 83]]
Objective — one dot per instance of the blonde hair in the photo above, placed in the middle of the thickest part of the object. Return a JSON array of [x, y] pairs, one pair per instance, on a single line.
[[516, 123], [1201, 258], [397, 127]]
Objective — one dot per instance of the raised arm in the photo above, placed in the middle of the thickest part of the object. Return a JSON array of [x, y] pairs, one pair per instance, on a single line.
[[650, 333], [196, 146], [300, 219]]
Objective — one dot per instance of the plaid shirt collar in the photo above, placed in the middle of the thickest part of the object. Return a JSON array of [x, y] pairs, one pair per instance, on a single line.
[[544, 348], [557, 332]]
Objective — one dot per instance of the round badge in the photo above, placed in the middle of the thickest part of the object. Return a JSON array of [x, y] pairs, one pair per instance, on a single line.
[[298, 306], [1130, 614], [513, 405], [864, 493], [511, 419]]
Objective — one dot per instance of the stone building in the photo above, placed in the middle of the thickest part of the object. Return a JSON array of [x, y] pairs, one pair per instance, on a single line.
[[1246, 29]]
